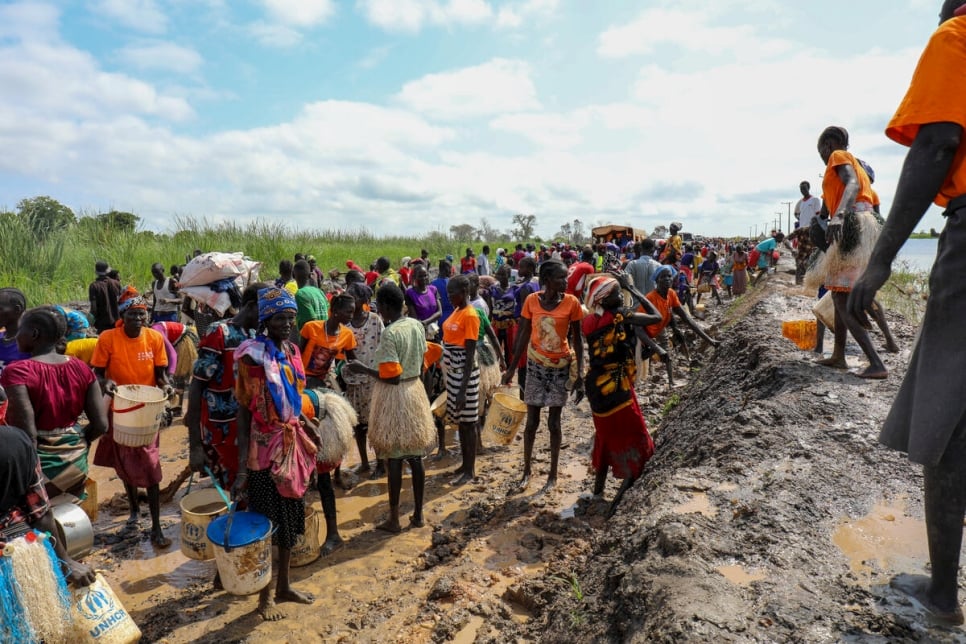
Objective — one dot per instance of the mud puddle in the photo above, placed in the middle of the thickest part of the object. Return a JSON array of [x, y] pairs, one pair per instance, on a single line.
[[886, 540]]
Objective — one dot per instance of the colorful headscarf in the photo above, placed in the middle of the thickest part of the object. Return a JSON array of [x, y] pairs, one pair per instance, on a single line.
[[666, 268], [598, 290], [77, 324], [273, 300], [130, 299], [284, 373]]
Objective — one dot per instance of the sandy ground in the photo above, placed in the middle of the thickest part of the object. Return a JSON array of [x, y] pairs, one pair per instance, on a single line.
[[768, 514]]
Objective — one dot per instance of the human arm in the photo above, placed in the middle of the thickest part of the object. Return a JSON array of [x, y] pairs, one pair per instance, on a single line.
[[20, 411], [681, 313], [96, 412], [470, 348], [161, 379], [577, 344], [926, 166], [495, 343], [108, 386], [197, 459], [524, 328], [846, 174]]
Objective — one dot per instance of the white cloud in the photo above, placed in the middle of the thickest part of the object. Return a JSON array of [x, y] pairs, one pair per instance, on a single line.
[[495, 87], [412, 15], [275, 35], [688, 30], [300, 13], [141, 15], [163, 56], [28, 21], [513, 14]]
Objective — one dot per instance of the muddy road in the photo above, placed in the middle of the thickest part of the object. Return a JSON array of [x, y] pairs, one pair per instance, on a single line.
[[769, 513]]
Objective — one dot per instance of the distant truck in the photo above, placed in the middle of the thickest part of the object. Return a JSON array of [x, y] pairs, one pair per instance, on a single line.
[[616, 233]]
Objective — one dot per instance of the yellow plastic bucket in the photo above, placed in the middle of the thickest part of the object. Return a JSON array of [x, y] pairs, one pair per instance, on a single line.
[[307, 548], [137, 413], [198, 509], [504, 418]]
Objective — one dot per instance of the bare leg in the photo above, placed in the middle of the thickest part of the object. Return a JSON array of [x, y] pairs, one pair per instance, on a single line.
[[819, 337], [600, 478], [876, 370], [154, 505], [361, 432], [625, 486], [556, 439], [945, 504], [878, 314], [840, 333], [468, 438], [419, 487], [333, 540], [395, 488], [529, 438], [283, 588], [132, 503]]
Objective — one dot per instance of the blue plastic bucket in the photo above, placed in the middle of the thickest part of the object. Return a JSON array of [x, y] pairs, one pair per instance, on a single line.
[[245, 566]]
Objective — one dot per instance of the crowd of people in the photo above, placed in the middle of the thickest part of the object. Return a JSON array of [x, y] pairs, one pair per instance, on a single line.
[[391, 339]]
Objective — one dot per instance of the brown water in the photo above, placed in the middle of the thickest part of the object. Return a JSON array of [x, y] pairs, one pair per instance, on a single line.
[[208, 508], [886, 540], [739, 576], [699, 503]]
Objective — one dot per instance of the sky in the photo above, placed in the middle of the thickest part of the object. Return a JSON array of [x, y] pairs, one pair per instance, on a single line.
[[403, 117]]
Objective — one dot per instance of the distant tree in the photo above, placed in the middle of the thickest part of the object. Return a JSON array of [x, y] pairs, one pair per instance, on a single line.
[[486, 232], [44, 216], [125, 221], [566, 233], [523, 226], [579, 235], [462, 232], [933, 233]]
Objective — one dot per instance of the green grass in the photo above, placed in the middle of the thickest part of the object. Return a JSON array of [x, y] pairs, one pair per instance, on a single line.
[[59, 269], [906, 292]]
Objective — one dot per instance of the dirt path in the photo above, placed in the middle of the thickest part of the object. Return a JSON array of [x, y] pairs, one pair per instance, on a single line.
[[769, 513]]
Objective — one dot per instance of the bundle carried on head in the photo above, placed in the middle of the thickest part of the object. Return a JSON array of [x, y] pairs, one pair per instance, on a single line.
[[217, 279]]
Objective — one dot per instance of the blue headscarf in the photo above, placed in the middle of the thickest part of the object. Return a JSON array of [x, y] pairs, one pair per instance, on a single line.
[[77, 323], [666, 268], [273, 300]]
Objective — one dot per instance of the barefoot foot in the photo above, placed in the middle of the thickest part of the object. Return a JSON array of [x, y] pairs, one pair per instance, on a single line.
[[835, 363], [918, 587], [292, 595], [390, 526], [415, 522], [331, 545], [874, 374], [158, 540], [463, 479]]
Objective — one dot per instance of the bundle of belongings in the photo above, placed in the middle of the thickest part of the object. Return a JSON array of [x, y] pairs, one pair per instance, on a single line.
[[217, 279]]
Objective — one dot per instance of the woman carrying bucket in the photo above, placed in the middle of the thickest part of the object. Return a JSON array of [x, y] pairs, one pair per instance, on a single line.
[[132, 354], [621, 441], [272, 445], [550, 318], [400, 423]]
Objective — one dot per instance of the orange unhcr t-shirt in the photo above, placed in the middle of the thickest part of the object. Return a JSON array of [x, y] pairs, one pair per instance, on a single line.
[[664, 306], [322, 349], [937, 94], [462, 325], [549, 329], [130, 361], [832, 186]]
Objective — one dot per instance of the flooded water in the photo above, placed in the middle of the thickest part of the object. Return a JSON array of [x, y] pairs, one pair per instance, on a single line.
[[884, 540], [739, 576], [699, 503], [919, 254]]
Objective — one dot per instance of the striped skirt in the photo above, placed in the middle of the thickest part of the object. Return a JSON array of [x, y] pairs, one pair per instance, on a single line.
[[454, 362]]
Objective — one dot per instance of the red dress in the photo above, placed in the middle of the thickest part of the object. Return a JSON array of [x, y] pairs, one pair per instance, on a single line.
[[621, 439]]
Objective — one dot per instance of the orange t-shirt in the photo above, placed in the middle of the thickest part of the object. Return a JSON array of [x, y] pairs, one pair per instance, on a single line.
[[461, 325], [937, 94], [832, 186], [548, 329], [664, 307], [322, 349], [130, 361]]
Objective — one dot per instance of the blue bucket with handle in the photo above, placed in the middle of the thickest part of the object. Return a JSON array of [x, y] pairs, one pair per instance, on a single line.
[[243, 551]]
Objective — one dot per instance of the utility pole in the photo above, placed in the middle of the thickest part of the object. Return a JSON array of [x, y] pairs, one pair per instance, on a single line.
[[789, 204]]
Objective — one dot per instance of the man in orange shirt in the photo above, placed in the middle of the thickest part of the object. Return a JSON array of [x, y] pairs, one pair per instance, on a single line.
[[930, 120]]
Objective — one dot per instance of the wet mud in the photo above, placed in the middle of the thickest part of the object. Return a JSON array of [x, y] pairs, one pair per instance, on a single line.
[[769, 513]]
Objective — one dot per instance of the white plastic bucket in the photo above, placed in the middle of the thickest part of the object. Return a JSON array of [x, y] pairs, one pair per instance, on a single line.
[[198, 509], [438, 407], [307, 547], [504, 418], [137, 414], [246, 566]]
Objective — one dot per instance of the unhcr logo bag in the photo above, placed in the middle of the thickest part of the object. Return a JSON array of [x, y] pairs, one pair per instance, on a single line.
[[99, 616]]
